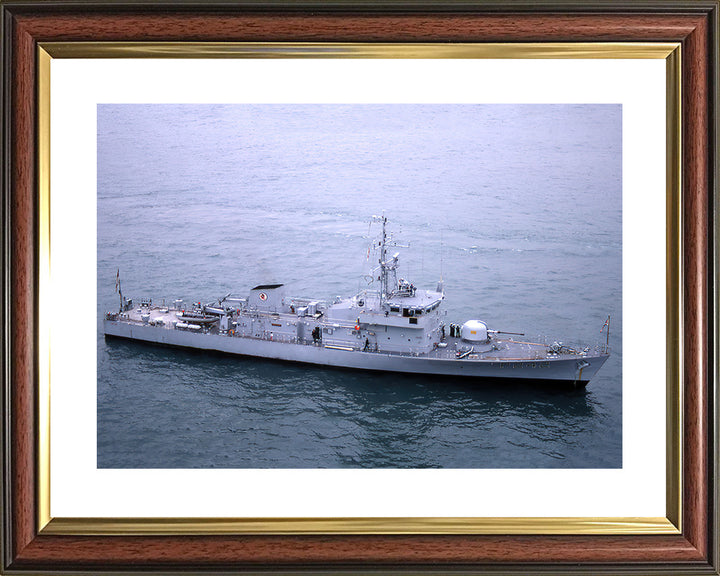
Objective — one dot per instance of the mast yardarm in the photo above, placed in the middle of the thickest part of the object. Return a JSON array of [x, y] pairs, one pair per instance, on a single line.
[[387, 288]]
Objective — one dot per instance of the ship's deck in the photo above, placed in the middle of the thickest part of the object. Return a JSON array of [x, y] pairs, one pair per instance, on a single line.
[[499, 349]]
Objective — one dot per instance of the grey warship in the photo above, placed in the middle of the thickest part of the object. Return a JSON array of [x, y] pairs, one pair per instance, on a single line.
[[394, 328]]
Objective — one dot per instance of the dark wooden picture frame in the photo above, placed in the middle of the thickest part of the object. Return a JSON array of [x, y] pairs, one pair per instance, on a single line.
[[26, 24]]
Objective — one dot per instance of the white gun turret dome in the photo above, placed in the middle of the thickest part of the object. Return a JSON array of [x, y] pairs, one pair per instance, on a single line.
[[474, 331]]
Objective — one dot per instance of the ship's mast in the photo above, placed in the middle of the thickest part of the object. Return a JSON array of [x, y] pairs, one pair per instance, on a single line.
[[382, 260], [118, 289], [387, 267], [383, 267]]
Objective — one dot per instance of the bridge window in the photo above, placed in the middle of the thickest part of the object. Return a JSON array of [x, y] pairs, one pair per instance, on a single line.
[[394, 309]]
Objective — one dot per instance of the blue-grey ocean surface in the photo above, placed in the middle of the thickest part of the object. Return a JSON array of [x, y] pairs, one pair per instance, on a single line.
[[518, 206]]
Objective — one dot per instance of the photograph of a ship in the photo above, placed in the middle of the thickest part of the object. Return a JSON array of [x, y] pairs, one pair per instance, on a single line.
[[359, 286]]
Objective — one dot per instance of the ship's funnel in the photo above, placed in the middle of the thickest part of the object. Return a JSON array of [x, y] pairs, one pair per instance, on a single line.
[[267, 297]]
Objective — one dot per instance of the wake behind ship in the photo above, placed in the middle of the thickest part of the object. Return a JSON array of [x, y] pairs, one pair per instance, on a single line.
[[395, 328]]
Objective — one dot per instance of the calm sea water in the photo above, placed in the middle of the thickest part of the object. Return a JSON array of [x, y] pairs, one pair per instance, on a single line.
[[517, 206]]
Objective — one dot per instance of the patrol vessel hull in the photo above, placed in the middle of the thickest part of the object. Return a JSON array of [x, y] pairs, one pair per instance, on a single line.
[[396, 328], [548, 370]]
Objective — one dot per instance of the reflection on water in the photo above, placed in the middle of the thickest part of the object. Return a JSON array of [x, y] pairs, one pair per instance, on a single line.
[[345, 418]]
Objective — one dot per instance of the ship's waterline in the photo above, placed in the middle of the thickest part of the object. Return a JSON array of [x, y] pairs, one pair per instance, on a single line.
[[396, 327]]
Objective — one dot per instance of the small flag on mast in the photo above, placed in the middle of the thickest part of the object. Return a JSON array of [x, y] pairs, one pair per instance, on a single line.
[[607, 323], [117, 280]]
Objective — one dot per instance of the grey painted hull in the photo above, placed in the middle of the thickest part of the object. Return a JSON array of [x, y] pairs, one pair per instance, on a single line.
[[570, 370]]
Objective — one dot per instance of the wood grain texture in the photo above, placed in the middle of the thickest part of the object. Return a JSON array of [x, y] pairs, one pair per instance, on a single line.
[[406, 550], [22, 292], [696, 197], [359, 28], [689, 551]]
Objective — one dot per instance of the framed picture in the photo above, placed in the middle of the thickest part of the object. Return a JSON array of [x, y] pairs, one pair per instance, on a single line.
[[552, 167]]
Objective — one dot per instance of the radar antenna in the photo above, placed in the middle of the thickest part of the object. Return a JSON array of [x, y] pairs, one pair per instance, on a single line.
[[386, 267]]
